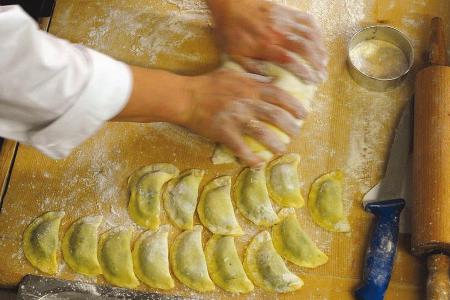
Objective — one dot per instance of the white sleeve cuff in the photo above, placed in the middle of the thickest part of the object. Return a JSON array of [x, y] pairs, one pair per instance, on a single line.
[[104, 96]]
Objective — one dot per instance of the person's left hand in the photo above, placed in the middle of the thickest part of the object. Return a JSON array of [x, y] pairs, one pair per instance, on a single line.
[[250, 31]]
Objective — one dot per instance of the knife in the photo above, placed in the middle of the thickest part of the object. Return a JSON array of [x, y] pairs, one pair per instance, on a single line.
[[386, 201]]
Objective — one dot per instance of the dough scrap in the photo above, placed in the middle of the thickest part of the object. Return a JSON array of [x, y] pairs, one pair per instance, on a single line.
[[188, 260], [41, 241], [325, 202], [145, 193], [224, 265], [284, 80], [293, 244], [282, 181], [79, 246], [151, 259], [180, 198], [266, 268], [115, 257], [252, 198], [215, 208]]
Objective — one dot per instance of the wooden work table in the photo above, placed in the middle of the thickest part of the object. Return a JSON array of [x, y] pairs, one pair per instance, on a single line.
[[349, 129]]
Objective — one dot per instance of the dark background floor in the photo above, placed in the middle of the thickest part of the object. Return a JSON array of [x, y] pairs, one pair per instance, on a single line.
[[35, 8], [7, 294]]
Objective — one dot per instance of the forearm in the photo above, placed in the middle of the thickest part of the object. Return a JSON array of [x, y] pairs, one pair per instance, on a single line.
[[157, 96], [216, 6], [215, 3]]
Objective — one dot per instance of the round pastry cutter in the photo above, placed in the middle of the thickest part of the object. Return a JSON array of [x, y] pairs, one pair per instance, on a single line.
[[398, 44]]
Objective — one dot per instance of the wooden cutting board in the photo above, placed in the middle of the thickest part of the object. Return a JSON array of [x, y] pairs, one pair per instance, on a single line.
[[349, 129]]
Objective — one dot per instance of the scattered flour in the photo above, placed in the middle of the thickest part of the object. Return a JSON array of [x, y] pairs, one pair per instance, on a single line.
[[339, 25], [189, 4], [168, 31]]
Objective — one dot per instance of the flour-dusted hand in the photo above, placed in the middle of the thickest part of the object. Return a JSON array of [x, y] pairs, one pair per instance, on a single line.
[[224, 106], [227, 105], [254, 30]]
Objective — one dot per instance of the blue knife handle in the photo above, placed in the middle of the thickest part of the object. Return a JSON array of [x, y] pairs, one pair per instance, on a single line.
[[383, 246]]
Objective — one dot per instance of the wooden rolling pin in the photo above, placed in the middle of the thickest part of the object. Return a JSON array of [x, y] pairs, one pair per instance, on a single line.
[[431, 166]]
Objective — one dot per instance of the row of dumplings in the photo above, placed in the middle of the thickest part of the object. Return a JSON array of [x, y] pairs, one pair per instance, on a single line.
[[149, 260], [219, 264], [252, 192]]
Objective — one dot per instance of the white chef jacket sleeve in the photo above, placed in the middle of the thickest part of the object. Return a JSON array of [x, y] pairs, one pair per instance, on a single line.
[[53, 94]]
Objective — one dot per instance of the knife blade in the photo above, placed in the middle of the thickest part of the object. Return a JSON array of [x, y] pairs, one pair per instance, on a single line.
[[386, 201], [397, 177]]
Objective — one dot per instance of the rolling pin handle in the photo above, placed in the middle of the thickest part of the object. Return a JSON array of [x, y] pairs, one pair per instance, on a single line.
[[438, 50], [381, 252], [438, 284]]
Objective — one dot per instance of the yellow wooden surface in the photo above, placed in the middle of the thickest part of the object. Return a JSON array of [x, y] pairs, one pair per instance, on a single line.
[[349, 129]]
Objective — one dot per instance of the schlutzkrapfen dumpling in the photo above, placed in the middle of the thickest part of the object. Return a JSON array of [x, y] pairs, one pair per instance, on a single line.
[[266, 268], [325, 202], [224, 265], [41, 241], [252, 198], [180, 198], [215, 208], [145, 193], [188, 260], [151, 259], [79, 246], [114, 255], [292, 243], [282, 181]]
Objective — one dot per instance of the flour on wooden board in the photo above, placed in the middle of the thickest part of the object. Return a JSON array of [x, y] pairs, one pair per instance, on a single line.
[[189, 4], [178, 135], [176, 23], [337, 25]]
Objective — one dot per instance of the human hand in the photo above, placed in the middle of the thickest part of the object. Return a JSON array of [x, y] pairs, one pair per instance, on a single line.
[[223, 106], [250, 31], [226, 105]]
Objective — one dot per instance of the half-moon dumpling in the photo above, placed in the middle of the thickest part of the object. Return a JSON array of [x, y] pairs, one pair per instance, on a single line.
[[40, 241], [180, 198], [188, 260], [252, 198], [79, 246], [266, 268], [145, 193], [282, 181], [223, 155], [224, 265], [151, 259], [115, 259], [215, 208], [292, 243], [325, 202]]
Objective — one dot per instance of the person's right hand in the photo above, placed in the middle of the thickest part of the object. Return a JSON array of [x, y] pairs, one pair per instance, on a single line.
[[226, 105]]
